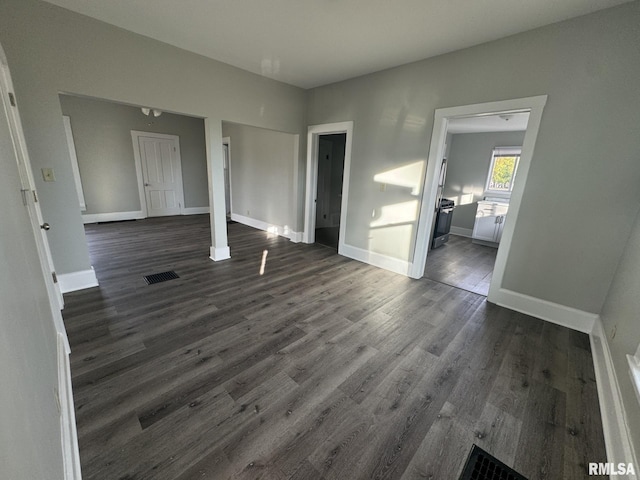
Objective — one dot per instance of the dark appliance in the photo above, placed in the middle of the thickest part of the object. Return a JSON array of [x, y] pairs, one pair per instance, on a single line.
[[444, 214]]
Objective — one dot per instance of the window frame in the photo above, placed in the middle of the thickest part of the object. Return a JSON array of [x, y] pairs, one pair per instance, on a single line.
[[502, 152]]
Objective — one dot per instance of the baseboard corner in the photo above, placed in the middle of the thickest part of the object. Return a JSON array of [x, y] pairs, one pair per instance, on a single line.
[[74, 281], [543, 309]]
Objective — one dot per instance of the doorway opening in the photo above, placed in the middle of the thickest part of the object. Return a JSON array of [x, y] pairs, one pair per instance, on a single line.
[[475, 182], [533, 106], [327, 183], [226, 159], [329, 188]]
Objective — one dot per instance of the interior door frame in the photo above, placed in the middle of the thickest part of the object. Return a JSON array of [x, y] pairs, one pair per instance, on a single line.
[[227, 141], [535, 106], [313, 134], [137, 154]]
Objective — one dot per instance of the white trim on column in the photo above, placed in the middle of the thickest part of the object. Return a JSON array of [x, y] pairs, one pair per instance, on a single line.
[[614, 416], [71, 282], [217, 254]]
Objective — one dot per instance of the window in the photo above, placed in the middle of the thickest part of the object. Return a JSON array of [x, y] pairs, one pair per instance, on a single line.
[[504, 164]]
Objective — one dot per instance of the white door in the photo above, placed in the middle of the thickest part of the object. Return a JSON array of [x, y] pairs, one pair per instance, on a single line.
[[29, 194], [162, 174], [36, 405]]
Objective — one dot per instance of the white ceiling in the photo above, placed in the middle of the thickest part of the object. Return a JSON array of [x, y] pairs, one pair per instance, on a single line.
[[511, 122], [315, 42]]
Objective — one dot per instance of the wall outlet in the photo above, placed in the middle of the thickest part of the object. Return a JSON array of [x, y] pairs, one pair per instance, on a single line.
[[47, 175]]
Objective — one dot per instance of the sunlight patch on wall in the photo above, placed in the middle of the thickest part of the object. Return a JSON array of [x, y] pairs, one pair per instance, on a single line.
[[408, 176], [399, 213]]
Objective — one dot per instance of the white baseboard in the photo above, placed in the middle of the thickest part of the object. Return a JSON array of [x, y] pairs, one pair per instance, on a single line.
[[614, 417], [268, 227], [112, 217], [295, 237], [221, 253], [545, 310], [376, 259], [463, 232], [71, 282], [194, 210], [68, 432]]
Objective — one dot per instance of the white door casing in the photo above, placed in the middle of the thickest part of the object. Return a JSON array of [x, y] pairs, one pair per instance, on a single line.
[[159, 171], [535, 106], [226, 151], [74, 161], [313, 135]]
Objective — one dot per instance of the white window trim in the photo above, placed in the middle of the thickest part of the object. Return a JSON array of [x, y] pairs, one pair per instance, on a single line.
[[502, 151]]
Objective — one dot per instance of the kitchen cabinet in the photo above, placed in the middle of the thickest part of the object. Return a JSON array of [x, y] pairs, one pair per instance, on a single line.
[[489, 224]]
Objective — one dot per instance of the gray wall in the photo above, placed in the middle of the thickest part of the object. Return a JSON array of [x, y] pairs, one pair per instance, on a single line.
[[467, 169], [52, 50], [262, 168], [621, 324], [585, 159], [102, 135]]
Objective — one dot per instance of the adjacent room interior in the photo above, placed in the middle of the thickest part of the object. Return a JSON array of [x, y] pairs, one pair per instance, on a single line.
[[475, 184], [281, 245]]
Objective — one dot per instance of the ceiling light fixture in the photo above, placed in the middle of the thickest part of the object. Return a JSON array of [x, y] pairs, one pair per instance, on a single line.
[[147, 111]]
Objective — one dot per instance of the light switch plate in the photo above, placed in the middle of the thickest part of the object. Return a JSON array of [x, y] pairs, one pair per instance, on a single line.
[[47, 175]]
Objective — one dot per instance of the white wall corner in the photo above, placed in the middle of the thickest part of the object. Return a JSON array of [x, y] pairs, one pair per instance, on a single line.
[[195, 210], [112, 216], [376, 259], [617, 440], [74, 281], [220, 253], [551, 312]]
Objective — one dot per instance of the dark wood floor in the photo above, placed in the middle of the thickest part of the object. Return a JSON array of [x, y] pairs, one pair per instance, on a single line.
[[322, 368], [463, 264]]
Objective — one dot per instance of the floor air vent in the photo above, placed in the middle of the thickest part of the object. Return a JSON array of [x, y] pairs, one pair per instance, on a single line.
[[482, 466], [160, 277]]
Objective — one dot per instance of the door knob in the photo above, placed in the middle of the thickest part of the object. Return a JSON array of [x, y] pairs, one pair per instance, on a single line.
[[147, 184], [45, 226]]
